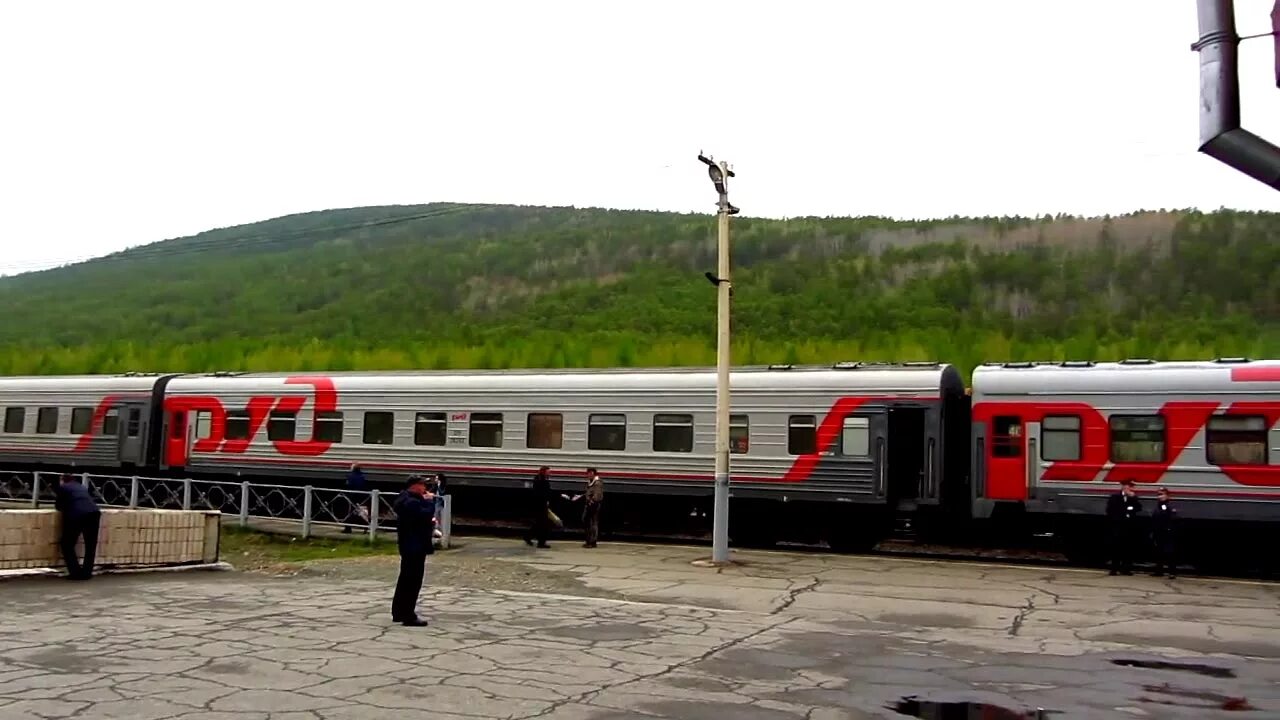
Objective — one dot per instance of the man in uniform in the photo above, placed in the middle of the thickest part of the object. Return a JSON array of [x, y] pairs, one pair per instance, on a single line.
[[415, 517], [80, 518], [1123, 509], [1162, 538]]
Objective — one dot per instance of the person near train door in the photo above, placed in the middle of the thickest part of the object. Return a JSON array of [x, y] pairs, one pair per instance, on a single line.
[[1162, 534], [80, 518], [1123, 509], [415, 518], [593, 497], [539, 507]]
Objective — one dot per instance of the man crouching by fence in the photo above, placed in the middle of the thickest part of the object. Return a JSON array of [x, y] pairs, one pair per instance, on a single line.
[[415, 518]]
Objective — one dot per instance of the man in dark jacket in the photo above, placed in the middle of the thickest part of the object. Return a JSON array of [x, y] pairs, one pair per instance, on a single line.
[[80, 518], [357, 485], [1162, 534], [415, 513], [1123, 509], [539, 505]]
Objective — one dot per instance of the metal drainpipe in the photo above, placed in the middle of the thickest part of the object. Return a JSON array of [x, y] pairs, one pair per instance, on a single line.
[[1221, 136]]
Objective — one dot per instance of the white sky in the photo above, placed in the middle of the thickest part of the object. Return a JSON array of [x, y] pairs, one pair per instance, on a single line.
[[124, 123]]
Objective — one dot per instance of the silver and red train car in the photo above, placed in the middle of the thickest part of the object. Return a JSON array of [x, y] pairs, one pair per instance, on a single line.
[[836, 452]]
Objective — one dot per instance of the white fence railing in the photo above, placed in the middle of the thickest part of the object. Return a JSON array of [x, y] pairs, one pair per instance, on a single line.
[[308, 506]]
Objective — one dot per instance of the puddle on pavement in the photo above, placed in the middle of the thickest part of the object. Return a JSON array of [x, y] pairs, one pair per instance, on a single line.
[[1202, 699], [930, 710], [1210, 670]]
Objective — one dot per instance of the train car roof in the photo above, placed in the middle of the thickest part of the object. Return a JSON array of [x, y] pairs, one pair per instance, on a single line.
[[129, 382], [906, 377], [1131, 376]]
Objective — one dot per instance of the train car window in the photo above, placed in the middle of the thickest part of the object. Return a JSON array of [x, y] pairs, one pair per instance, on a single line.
[[1236, 440], [14, 419], [673, 433], [328, 427], [1006, 436], [739, 434], [544, 431], [282, 426], [81, 420], [47, 420], [1060, 438], [607, 432], [486, 430], [1137, 438], [802, 434], [379, 428], [134, 427], [111, 423], [204, 425], [855, 439], [237, 425], [430, 428]]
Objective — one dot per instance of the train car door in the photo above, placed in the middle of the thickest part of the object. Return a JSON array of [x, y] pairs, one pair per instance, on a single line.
[[177, 440], [132, 430], [907, 454], [1006, 458]]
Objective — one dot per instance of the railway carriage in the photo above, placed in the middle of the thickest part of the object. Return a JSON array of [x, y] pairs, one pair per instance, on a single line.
[[834, 452], [81, 422], [868, 439], [1052, 440]]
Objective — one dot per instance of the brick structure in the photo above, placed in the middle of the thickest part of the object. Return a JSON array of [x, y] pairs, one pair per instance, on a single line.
[[127, 538]]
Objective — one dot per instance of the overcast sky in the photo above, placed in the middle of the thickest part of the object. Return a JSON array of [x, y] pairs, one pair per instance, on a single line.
[[124, 123]]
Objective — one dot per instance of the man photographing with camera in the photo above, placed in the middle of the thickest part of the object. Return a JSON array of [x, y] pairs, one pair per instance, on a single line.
[[415, 520]]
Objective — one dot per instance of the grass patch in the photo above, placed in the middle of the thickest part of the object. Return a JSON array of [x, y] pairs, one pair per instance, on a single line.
[[247, 548]]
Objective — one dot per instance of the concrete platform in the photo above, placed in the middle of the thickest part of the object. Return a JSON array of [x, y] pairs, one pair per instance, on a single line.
[[781, 636]]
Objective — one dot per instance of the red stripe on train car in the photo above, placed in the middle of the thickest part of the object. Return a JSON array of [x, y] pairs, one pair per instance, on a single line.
[[1256, 374]]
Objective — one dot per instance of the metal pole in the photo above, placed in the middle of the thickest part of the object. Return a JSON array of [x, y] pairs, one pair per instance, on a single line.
[[306, 512], [1221, 136], [720, 513]]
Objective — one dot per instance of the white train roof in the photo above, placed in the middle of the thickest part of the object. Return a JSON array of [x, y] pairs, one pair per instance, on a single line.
[[905, 378], [89, 384], [1132, 376]]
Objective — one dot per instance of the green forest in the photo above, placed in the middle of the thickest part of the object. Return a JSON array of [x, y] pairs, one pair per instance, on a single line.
[[495, 286]]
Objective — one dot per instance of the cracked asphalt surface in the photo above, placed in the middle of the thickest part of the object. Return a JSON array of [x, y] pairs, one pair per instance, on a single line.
[[631, 631]]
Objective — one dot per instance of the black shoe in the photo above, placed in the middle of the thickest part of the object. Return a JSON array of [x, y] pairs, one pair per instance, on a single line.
[[1126, 572], [1157, 574], [543, 545], [528, 542], [1113, 573], [414, 622]]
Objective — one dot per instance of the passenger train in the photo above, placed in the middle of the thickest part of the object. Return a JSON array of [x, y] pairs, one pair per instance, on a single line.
[[839, 453]]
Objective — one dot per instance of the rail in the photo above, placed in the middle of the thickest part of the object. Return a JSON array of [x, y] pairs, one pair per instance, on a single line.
[[309, 507]]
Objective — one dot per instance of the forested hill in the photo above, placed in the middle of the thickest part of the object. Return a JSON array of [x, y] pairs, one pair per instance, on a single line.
[[441, 286]]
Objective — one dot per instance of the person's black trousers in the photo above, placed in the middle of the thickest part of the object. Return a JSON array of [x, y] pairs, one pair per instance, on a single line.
[[73, 528], [408, 585], [539, 528]]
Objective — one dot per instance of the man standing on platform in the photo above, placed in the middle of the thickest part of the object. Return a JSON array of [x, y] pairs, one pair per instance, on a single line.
[[1162, 534], [594, 497], [80, 518], [415, 518], [1123, 509]]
